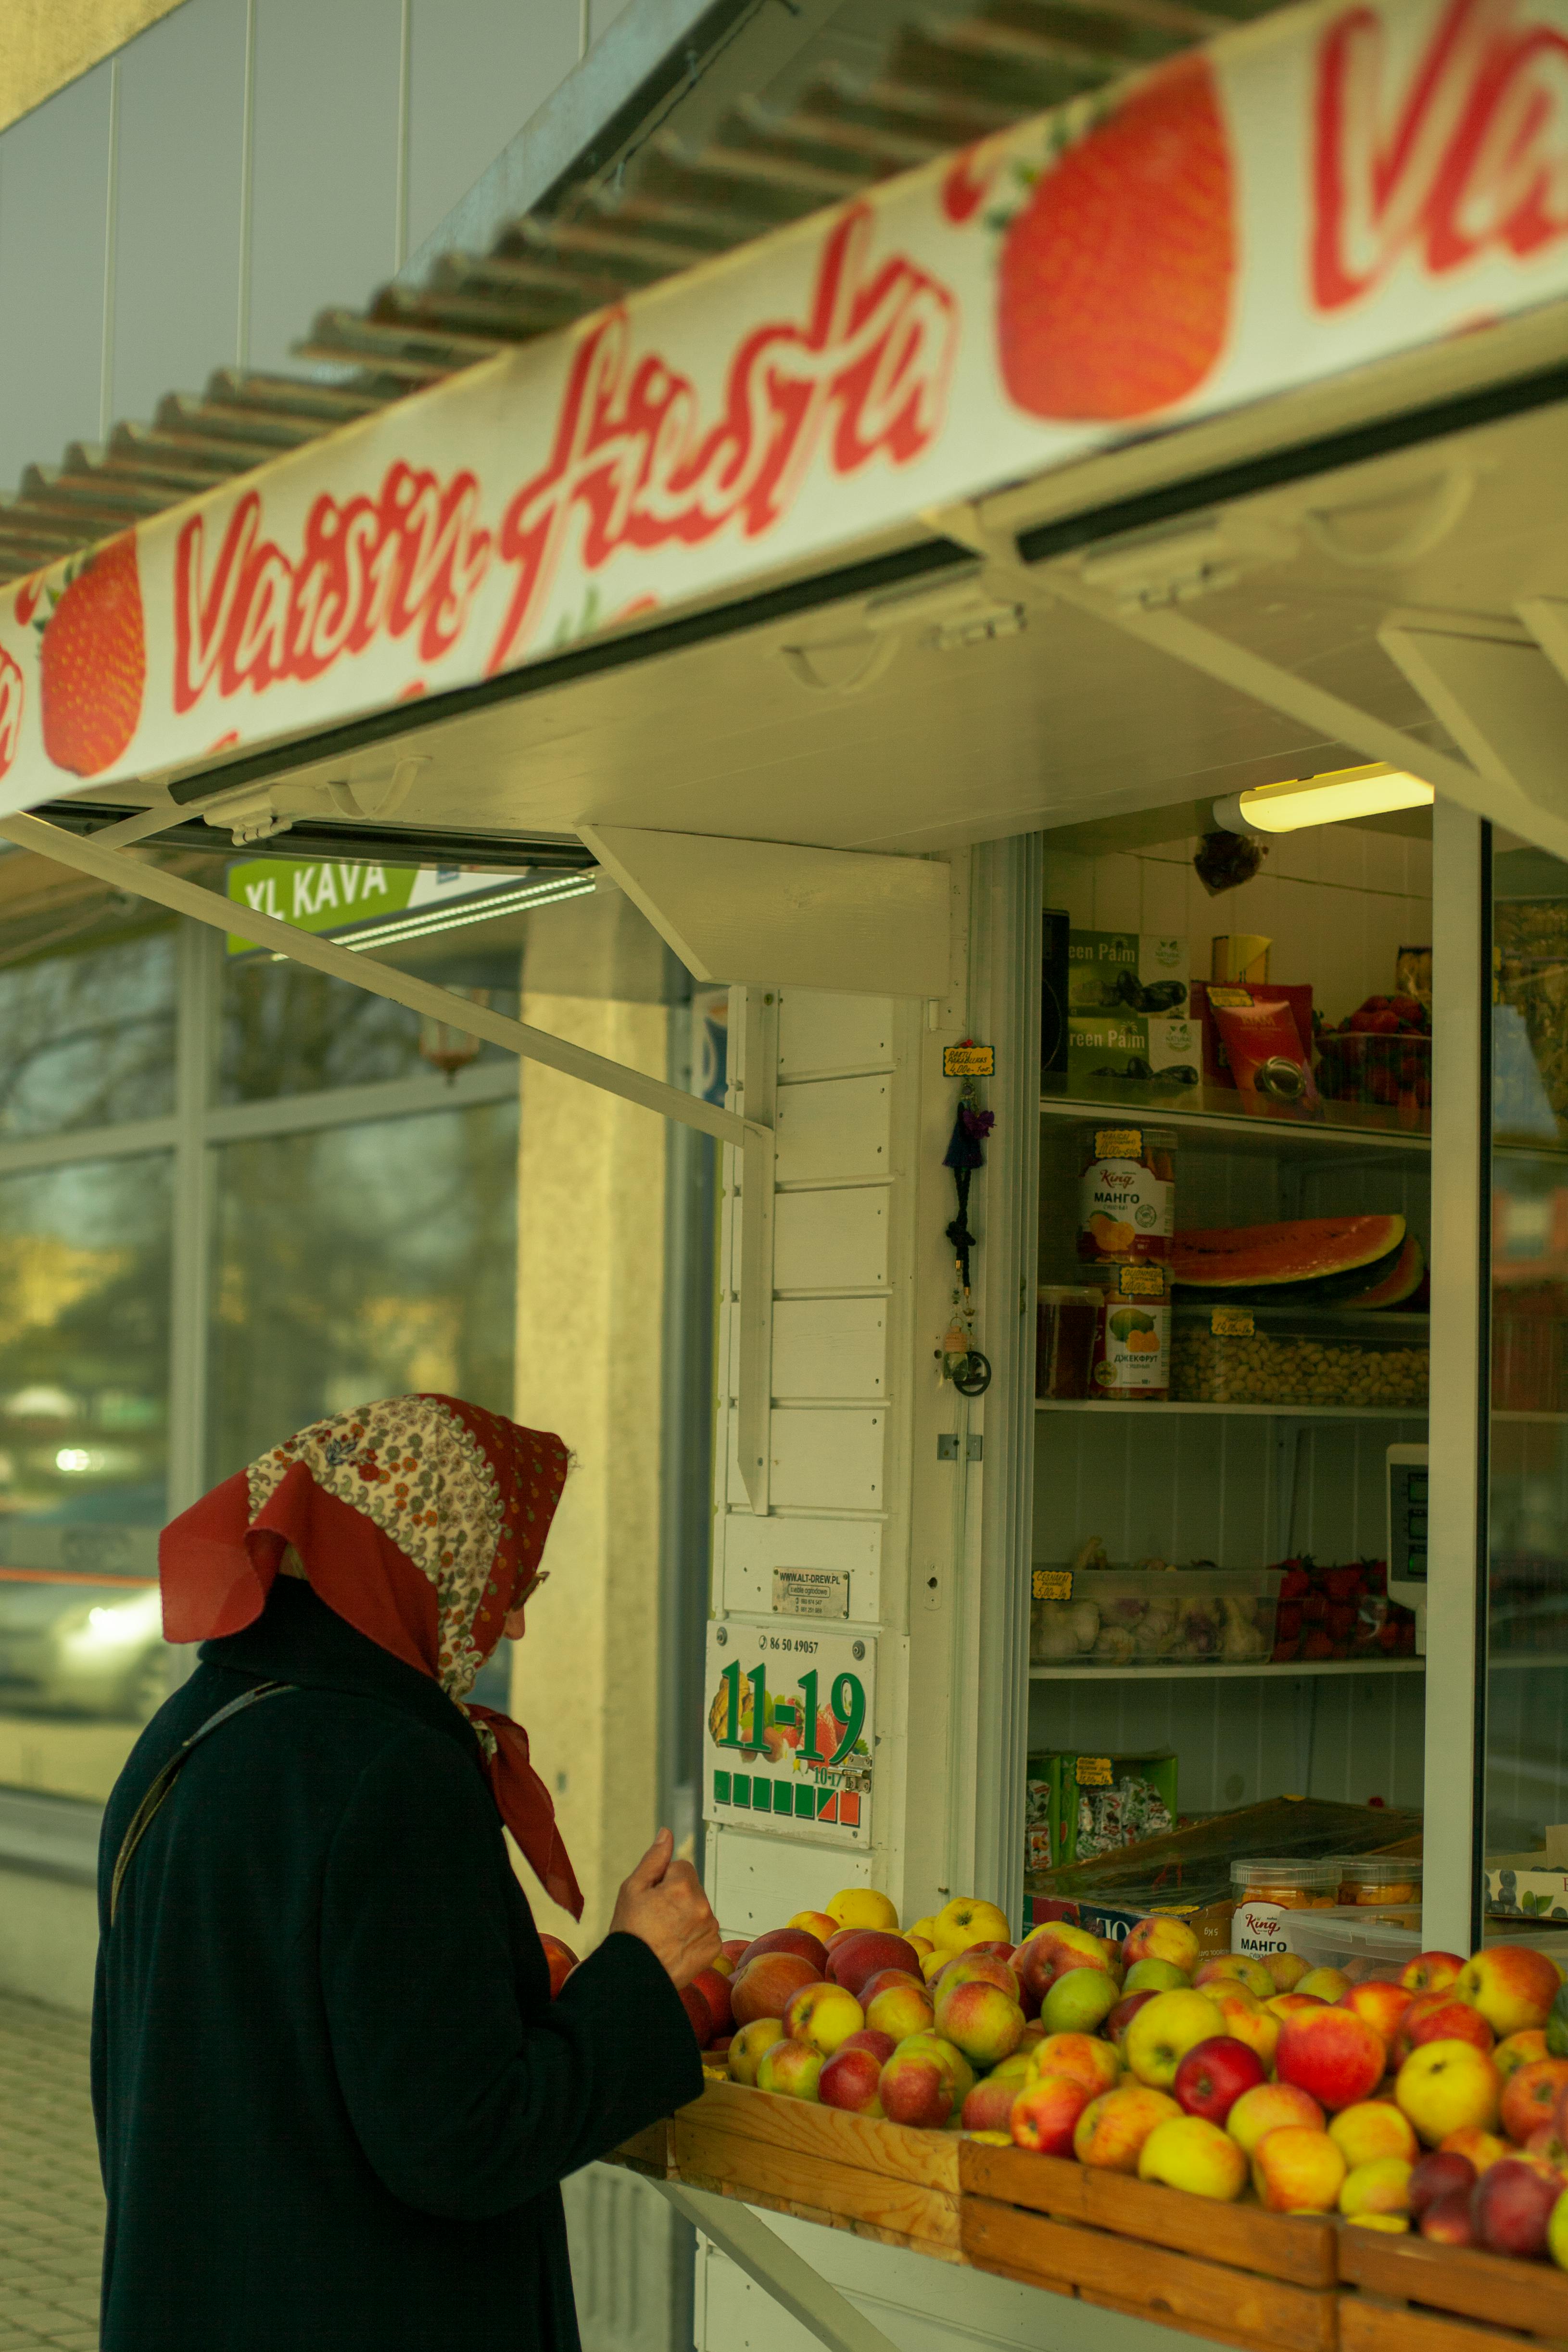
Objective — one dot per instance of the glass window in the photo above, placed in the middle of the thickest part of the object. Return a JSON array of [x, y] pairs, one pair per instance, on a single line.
[[358, 1262], [287, 1031], [89, 1038]]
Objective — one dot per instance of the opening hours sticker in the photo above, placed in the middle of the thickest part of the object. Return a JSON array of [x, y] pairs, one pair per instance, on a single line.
[[788, 1737]]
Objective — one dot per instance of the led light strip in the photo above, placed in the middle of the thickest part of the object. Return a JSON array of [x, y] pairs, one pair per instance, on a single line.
[[463, 911]]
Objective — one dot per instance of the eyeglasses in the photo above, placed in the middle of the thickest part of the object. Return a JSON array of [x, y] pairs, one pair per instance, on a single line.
[[532, 1588]]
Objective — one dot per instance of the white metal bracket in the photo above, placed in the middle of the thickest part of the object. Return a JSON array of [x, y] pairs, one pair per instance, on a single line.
[[1502, 701], [754, 1384], [776, 2268]]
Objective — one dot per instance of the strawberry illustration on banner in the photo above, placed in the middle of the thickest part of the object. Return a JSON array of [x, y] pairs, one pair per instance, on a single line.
[[12, 694], [1114, 289], [92, 665]]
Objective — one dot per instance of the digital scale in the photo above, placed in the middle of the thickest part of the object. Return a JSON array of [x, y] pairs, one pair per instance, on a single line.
[[1408, 1474]]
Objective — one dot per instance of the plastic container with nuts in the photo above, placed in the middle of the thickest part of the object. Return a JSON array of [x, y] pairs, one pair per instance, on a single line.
[[1241, 1355]]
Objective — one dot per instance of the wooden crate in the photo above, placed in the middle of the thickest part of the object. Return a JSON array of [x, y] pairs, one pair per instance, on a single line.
[[1404, 2296], [1232, 2273]]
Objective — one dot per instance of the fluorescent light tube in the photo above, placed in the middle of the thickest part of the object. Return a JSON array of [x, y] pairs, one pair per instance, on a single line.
[[1331, 799]]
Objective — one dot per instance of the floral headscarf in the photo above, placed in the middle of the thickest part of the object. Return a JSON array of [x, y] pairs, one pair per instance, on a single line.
[[419, 1520]]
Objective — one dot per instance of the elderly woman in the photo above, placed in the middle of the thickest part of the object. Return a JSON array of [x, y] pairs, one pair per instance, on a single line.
[[334, 2097]]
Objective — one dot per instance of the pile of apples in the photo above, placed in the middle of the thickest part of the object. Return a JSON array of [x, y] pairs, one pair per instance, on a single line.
[[1440, 2101]]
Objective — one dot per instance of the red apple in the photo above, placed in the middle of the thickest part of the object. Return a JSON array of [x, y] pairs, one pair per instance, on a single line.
[[866, 1952], [1212, 2076], [1447, 2221], [1123, 2015], [1439, 2017], [1051, 1951], [1510, 2206], [1432, 1972], [1045, 2113], [850, 2080], [715, 1990], [916, 2088], [881, 2046], [562, 1959], [992, 1951], [1380, 2003], [1529, 2095], [765, 1987], [1333, 2054], [701, 2016], [1444, 2173], [805, 1947], [989, 2106]]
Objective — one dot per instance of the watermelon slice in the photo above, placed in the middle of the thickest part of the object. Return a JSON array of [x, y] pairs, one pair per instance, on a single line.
[[1316, 1260], [1397, 1289]]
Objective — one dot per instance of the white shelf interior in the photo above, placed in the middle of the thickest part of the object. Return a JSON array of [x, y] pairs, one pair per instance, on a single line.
[[1265, 1671], [1105, 1411]]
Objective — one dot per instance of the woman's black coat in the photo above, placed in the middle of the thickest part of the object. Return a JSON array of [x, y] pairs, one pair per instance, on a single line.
[[333, 2096]]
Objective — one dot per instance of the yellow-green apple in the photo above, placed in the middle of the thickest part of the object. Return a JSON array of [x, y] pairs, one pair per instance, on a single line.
[[1162, 2033], [793, 2069], [1290, 2004], [976, 1967], [1246, 2019], [1052, 1951], [1511, 2204], [1187, 2152], [730, 1954], [1079, 2001], [865, 1952], [1160, 1937], [1439, 2017], [916, 2086], [562, 1959], [1297, 2171], [1478, 2147], [1110, 2132], [1212, 2076], [1380, 2003], [765, 1987], [1332, 2052], [1431, 1971], [747, 2048], [1248, 1972], [1326, 1984], [1046, 2112], [1557, 2232], [1448, 2086], [1518, 2049], [862, 1906], [921, 1944], [1154, 1975], [925, 1928], [966, 1920], [820, 1924], [1370, 2129], [823, 2014], [898, 2006], [1123, 2015], [1286, 1968], [715, 1990], [1270, 2107], [978, 2019], [1396, 2224], [932, 1964], [797, 1940], [1382, 2185], [698, 2011], [1440, 2174], [851, 2079], [1093, 2063], [1529, 2095], [1512, 1987]]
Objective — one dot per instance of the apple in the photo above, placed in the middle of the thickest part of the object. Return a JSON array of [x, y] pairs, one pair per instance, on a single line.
[[1298, 2170], [1188, 2152], [1370, 2129], [1380, 2003], [916, 2088], [976, 1967], [730, 1954], [1439, 2017], [1046, 2112], [1162, 2033], [885, 1980], [1236, 1965], [1052, 1951], [1270, 2107], [966, 1921], [1079, 2003], [1093, 2063], [949, 2057], [851, 2079], [865, 1952], [791, 2069], [1557, 2232], [1332, 2052], [823, 2014], [715, 1990], [1290, 2004], [989, 2105], [992, 1951], [796, 1940], [1325, 1984], [1212, 2076], [1379, 2186], [1512, 1987], [1529, 2095], [1480, 2149], [921, 1944], [1441, 2174], [1511, 2203], [934, 1963], [698, 2011], [881, 2046], [819, 1924], [1034, 2033], [1431, 1972], [1123, 2015], [862, 1906], [1447, 2221], [1152, 1976], [1448, 2086], [765, 1987], [1547, 2142], [1160, 1937], [1518, 2049], [748, 2047], [561, 1958], [1286, 1969], [900, 2006], [925, 1928], [1245, 2019], [978, 2019], [1110, 2134]]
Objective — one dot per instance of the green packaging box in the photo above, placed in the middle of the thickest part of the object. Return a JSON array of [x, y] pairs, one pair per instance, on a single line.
[[1135, 971], [1137, 1045], [1059, 1776]]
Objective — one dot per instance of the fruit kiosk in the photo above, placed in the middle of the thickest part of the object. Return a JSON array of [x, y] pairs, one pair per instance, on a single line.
[[1076, 637]]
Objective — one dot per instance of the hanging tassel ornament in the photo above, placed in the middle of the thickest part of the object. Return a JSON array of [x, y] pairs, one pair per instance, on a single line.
[[962, 1363]]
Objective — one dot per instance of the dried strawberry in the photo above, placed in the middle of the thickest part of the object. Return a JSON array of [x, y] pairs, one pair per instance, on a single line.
[[92, 664], [1115, 280]]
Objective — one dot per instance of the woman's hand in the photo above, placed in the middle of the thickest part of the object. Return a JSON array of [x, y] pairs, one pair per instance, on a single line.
[[663, 1903]]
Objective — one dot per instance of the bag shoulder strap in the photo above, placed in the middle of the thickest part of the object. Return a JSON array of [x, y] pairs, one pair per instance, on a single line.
[[141, 1820]]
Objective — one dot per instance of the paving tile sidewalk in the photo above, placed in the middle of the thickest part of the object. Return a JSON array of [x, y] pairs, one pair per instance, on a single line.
[[51, 2200]]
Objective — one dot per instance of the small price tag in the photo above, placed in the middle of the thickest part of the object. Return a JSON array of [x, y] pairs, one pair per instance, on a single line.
[[1118, 1143], [1141, 1281], [968, 1061], [1230, 996], [1094, 1772], [1232, 1323], [1053, 1585]]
